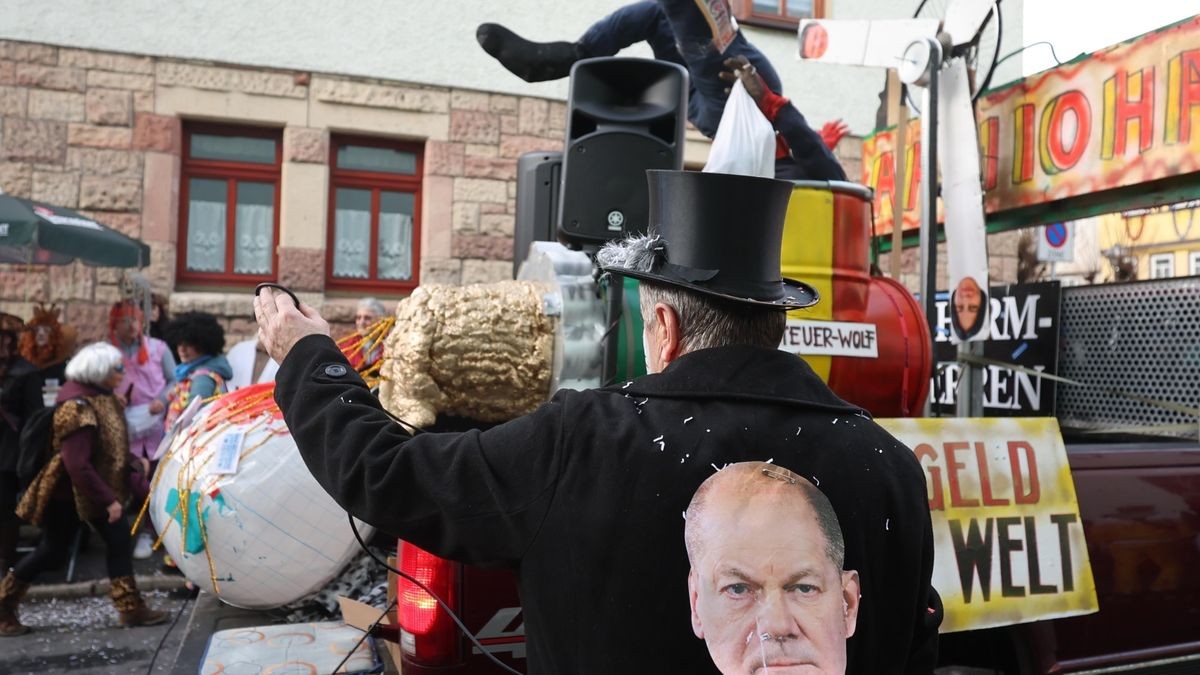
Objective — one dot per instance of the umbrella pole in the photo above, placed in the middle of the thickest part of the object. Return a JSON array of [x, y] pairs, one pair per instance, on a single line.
[[28, 271]]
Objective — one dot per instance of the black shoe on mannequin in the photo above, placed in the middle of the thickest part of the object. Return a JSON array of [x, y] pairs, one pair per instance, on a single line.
[[530, 61]]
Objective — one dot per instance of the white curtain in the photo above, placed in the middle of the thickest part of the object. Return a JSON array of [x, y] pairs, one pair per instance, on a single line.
[[255, 237], [206, 236], [352, 243], [395, 246]]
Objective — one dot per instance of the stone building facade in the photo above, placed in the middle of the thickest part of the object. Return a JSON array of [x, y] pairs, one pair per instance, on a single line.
[[102, 133]]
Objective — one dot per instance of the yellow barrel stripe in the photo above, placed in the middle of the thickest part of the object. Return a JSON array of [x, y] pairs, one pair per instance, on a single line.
[[807, 256]]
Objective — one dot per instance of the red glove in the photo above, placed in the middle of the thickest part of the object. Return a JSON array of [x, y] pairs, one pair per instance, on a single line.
[[833, 132]]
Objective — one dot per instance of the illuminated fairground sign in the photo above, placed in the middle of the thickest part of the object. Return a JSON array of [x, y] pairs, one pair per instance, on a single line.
[[1125, 115]]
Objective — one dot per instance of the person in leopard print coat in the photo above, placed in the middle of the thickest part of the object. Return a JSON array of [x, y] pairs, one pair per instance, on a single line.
[[85, 480]]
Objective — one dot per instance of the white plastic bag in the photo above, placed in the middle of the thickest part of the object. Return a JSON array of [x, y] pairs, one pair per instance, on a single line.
[[141, 422], [745, 140]]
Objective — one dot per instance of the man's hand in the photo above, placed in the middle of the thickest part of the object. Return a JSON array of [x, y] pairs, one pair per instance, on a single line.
[[156, 406], [281, 325], [739, 68], [114, 512], [833, 132]]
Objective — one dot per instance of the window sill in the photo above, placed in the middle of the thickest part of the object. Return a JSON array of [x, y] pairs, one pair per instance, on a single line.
[[397, 288], [224, 284]]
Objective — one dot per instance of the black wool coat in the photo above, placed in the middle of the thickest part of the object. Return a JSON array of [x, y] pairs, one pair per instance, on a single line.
[[584, 498]]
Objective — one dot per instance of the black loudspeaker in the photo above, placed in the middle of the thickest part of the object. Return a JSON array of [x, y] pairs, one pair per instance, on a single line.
[[624, 116], [539, 177]]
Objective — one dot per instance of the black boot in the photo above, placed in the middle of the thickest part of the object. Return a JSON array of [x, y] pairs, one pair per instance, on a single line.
[[530, 61], [10, 533]]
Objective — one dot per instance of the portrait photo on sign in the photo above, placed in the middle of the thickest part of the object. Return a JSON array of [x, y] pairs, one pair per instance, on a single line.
[[968, 309], [766, 587]]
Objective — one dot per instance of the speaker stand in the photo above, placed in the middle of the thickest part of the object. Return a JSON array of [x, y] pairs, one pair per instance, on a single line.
[[612, 336]]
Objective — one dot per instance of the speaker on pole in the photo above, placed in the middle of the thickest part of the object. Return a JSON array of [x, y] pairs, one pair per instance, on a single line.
[[624, 116]]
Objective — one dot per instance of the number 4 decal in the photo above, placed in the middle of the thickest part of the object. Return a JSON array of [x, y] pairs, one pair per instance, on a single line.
[[498, 636]]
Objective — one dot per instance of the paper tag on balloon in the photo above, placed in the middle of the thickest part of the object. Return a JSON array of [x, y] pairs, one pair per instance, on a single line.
[[228, 453]]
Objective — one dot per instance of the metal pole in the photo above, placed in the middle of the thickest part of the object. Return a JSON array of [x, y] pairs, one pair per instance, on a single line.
[[929, 193], [968, 401], [900, 155], [616, 302]]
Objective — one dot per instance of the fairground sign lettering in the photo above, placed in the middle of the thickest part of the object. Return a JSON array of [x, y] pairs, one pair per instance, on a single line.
[[1008, 541], [1125, 115]]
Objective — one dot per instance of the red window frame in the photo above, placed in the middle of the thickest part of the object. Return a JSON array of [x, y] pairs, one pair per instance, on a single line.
[[231, 172], [376, 182], [745, 13]]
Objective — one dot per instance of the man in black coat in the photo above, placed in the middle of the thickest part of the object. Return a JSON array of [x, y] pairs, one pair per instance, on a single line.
[[585, 496]]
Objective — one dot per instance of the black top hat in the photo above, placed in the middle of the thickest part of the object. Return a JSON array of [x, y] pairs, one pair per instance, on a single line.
[[721, 235]]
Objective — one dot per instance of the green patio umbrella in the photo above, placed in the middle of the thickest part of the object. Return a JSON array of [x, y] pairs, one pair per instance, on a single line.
[[36, 233]]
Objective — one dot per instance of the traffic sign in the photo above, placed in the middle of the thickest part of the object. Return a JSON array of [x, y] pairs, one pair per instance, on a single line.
[[1056, 242]]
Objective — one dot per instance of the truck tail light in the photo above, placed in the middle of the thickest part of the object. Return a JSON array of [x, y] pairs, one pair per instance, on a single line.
[[428, 634]]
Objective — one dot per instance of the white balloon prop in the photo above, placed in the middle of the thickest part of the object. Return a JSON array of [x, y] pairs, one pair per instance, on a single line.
[[258, 530]]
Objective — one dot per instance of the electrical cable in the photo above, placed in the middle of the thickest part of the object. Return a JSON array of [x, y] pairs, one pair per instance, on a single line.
[[366, 634], [442, 603], [454, 617], [1014, 52], [170, 629]]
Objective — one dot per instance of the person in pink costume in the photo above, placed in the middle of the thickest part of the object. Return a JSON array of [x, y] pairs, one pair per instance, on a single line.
[[149, 376], [149, 371]]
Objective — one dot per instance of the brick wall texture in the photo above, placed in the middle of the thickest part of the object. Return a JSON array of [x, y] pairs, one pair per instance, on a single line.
[[79, 128]]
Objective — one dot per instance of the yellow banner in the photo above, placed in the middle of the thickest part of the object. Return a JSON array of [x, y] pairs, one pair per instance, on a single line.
[[1124, 115], [1006, 527]]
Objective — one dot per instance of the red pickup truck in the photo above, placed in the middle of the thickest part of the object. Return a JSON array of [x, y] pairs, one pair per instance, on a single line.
[[1140, 503], [1139, 499]]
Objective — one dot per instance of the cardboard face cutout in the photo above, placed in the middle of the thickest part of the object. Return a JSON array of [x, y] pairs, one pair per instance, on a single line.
[[766, 586]]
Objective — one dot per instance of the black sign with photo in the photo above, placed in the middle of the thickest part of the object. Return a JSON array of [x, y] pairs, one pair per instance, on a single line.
[[1024, 332]]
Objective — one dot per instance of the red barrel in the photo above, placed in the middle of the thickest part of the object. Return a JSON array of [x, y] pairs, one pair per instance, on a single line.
[[867, 338]]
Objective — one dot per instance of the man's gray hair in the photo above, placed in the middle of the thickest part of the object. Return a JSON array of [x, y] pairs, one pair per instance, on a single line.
[[93, 364], [747, 479], [705, 321], [373, 306]]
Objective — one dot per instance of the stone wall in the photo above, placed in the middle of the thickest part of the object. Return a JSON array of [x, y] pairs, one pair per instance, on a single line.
[[101, 132], [74, 132]]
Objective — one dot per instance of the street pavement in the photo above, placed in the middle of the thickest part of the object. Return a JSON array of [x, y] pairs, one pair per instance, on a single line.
[[75, 626], [80, 635], [75, 631]]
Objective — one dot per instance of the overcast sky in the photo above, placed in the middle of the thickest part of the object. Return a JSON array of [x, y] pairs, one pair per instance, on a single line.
[[1079, 26]]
